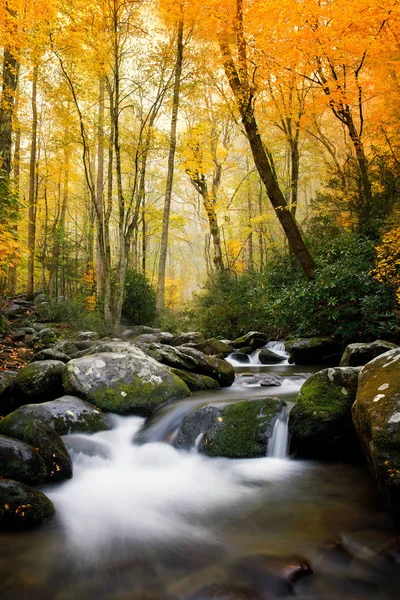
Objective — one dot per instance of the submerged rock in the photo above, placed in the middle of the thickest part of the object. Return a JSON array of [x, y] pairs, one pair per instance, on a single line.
[[238, 430], [21, 506], [358, 355], [320, 422], [125, 383], [267, 356], [240, 357], [39, 381], [21, 462], [376, 416]]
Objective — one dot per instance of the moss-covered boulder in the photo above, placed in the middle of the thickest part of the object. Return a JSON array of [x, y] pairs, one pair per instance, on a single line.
[[195, 382], [315, 351], [268, 357], [320, 422], [22, 507], [376, 416], [126, 383], [40, 381], [21, 462], [212, 347], [67, 414], [253, 340], [358, 355], [238, 430], [192, 337], [31, 430], [194, 361]]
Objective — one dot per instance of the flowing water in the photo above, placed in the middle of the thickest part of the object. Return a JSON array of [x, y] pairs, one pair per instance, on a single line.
[[142, 520]]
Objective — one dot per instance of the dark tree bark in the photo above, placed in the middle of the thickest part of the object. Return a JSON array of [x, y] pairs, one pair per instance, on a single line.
[[32, 189]]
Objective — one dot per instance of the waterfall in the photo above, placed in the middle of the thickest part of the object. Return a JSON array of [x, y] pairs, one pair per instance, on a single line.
[[277, 347], [279, 441]]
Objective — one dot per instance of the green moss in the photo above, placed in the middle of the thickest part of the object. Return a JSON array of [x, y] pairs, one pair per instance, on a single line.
[[241, 430], [138, 397], [196, 382]]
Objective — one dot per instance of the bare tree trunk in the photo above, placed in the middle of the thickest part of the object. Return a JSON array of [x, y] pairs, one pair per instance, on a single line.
[[12, 274], [32, 189], [100, 185], [239, 83], [10, 80], [59, 232], [294, 176], [170, 174]]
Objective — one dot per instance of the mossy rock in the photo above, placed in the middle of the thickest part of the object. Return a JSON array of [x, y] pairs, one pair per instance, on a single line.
[[195, 382], [21, 462], [67, 414], [39, 381], [124, 383], [320, 422], [267, 357], [253, 340], [376, 416], [238, 430], [315, 351], [192, 337], [358, 355], [22, 507], [31, 430], [213, 347], [7, 400]]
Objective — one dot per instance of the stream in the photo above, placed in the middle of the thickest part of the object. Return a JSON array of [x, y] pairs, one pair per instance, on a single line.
[[142, 520]]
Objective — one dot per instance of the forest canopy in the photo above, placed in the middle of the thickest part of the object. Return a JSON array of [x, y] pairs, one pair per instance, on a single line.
[[242, 150]]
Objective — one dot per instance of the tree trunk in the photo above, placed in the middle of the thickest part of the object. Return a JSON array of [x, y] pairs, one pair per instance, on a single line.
[[100, 185], [32, 189], [10, 80], [243, 96], [170, 174], [59, 232], [12, 274], [294, 176]]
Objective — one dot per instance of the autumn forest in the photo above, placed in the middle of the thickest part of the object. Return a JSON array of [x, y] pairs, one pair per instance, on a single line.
[[244, 151]]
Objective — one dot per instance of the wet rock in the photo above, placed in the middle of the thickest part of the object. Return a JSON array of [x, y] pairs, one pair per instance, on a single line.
[[376, 416], [238, 430], [67, 414], [271, 576], [267, 357], [193, 337], [333, 556], [358, 355], [320, 422], [31, 430], [21, 506], [240, 357], [195, 382], [270, 382], [194, 361], [20, 462], [253, 340], [314, 351], [125, 383], [39, 381]]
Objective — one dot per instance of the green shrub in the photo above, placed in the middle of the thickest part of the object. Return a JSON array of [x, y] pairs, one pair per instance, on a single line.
[[140, 300], [74, 314]]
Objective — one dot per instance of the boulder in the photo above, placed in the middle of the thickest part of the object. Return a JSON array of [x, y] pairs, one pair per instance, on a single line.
[[194, 361], [238, 430], [376, 416], [253, 340], [134, 331], [315, 351], [358, 355], [45, 338], [320, 422], [240, 357], [67, 414], [39, 381], [31, 430], [41, 299], [268, 357], [195, 382], [193, 337], [212, 347], [21, 506], [18, 335], [127, 383], [6, 391], [52, 354], [270, 381], [20, 462], [85, 336]]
